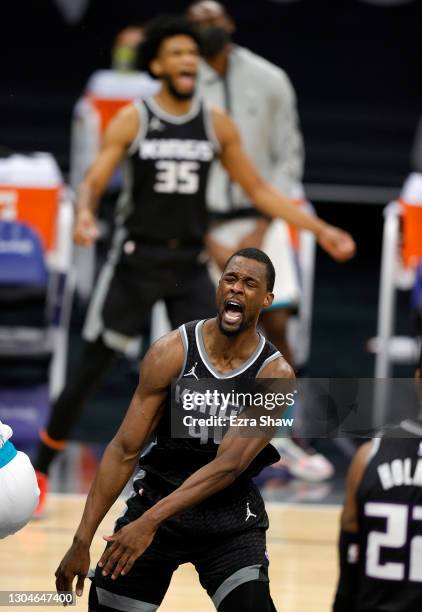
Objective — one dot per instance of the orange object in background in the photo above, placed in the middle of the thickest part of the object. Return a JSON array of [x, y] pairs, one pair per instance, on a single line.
[[411, 207], [412, 233], [35, 206], [107, 108]]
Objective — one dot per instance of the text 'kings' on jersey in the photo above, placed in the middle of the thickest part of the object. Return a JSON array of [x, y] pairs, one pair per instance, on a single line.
[[165, 175]]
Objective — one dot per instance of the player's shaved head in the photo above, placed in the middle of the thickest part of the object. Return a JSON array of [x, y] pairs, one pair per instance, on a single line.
[[207, 13], [206, 9]]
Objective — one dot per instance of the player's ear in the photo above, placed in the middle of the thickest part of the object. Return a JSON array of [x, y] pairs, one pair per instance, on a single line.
[[230, 25], [155, 67], [268, 300]]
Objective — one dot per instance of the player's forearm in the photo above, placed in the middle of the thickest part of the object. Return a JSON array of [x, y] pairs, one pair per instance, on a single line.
[[210, 479], [114, 471], [274, 204], [88, 196]]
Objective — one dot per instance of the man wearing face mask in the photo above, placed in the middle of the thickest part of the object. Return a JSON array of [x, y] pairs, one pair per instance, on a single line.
[[261, 100]]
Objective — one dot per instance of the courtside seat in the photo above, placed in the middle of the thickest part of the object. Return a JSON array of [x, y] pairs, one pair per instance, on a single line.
[[36, 271], [24, 326]]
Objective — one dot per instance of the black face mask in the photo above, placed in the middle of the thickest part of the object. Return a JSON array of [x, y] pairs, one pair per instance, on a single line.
[[213, 40]]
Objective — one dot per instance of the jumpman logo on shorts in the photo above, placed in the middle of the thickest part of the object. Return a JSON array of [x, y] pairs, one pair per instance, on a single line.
[[420, 450], [248, 512], [192, 371]]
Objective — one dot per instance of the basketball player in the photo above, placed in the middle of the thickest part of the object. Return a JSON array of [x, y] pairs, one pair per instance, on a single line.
[[18, 486], [193, 501], [169, 143], [381, 524]]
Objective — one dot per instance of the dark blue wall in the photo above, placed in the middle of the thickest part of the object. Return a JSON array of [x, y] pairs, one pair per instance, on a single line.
[[356, 69]]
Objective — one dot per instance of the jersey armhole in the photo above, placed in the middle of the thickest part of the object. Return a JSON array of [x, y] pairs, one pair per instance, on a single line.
[[143, 127], [185, 342], [268, 360], [209, 127]]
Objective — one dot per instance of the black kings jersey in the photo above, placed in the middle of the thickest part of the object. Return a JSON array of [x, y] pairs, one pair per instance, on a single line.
[[390, 521], [174, 459], [165, 175]]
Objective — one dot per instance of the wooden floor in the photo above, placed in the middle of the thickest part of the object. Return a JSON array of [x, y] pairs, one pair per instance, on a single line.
[[301, 545]]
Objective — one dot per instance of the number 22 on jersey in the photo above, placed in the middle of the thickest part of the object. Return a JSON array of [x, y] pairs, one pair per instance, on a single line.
[[398, 519]]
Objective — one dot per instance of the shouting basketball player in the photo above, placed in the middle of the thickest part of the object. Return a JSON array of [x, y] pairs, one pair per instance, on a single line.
[[193, 501]]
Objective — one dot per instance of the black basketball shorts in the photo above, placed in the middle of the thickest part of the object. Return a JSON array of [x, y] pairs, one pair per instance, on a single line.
[[136, 277], [224, 538]]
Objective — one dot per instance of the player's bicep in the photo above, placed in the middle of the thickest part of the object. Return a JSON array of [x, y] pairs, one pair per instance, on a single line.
[[118, 136], [161, 364]]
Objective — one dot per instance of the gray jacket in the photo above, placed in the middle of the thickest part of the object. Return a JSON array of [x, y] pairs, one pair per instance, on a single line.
[[261, 100]]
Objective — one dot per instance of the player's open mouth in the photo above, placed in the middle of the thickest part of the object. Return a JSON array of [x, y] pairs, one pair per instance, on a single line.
[[233, 312], [187, 79]]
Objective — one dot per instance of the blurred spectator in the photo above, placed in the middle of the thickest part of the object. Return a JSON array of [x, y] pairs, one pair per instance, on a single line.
[[124, 52], [261, 100]]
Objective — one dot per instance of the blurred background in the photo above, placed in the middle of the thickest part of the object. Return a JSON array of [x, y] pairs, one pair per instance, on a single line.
[[356, 68]]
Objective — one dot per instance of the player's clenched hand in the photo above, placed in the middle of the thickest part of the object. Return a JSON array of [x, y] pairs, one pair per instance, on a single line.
[[126, 546], [74, 563], [85, 231], [338, 243]]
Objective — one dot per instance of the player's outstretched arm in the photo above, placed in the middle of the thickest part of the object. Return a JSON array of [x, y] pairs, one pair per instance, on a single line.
[[338, 243], [348, 547], [233, 457], [118, 136], [162, 363]]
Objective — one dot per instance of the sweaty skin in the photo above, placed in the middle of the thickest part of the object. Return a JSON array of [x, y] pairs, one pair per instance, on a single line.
[[179, 56], [163, 363]]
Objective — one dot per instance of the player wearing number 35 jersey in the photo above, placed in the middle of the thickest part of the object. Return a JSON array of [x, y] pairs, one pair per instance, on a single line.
[[380, 541]]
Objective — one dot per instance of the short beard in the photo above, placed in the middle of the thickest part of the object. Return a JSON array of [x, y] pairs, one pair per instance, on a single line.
[[229, 333], [174, 92]]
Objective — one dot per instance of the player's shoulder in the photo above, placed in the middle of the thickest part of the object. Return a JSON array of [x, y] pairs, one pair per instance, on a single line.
[[166, 355], [360, 462], [125, 124], [277, 367]]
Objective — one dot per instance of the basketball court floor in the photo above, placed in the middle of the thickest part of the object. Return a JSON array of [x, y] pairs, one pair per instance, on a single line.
[[301, 542]]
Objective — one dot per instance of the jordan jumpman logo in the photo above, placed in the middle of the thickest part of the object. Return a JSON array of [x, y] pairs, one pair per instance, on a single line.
[[192, 371], [248, 512]]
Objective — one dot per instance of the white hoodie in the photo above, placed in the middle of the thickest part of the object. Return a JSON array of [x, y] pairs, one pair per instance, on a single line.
[[261, 100]]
